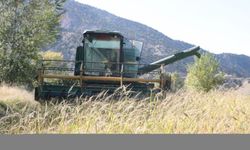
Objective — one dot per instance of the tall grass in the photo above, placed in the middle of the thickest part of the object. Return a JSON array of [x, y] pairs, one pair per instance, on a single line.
[[180, 112]]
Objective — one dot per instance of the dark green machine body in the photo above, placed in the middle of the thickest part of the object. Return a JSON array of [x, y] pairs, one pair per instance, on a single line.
[[104, 58]]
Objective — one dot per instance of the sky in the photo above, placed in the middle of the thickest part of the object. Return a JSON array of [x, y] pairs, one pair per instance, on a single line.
[[215, 25]]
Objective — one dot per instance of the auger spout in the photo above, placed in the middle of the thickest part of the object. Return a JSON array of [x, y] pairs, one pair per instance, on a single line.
[[170, 59]]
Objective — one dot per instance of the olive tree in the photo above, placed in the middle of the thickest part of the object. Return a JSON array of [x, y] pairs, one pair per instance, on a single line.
[[26, 27]]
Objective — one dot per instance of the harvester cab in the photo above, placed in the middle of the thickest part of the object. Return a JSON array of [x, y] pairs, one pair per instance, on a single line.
[[107, 54], [105, 61]]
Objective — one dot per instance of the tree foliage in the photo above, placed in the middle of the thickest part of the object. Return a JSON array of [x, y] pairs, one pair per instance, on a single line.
[[50, 55], [26, 27], [204, 74]]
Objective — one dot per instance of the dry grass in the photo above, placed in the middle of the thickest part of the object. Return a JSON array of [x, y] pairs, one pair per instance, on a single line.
[[15, 93], [180, 112]]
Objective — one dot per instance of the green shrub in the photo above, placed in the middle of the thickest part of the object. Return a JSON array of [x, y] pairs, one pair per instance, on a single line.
[[204, 74]]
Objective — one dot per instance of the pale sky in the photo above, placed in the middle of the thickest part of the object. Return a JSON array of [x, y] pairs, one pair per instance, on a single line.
[[215, 25]]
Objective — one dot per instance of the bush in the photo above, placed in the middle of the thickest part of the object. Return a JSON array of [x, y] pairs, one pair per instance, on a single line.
[[50, 55], [55, 65], [204, 74]]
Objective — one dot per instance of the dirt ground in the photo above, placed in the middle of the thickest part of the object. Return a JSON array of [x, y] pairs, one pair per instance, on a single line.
[[245, 88]]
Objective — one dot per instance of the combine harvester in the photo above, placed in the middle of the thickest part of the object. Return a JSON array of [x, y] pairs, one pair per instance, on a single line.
[[106, 61]]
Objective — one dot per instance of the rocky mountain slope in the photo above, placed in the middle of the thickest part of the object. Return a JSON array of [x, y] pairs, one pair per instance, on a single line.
[[79, 17]]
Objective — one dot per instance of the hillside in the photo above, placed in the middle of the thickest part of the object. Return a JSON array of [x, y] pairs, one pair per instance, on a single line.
[[236, 65], [79, 17]]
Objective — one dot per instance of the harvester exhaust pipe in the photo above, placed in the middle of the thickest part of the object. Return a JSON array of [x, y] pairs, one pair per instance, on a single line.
[[170, 59]]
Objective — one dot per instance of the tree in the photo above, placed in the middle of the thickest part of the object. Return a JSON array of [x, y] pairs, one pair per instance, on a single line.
[[54, 56], [26, 27], [204, 74], [54, 65], [50, 55]]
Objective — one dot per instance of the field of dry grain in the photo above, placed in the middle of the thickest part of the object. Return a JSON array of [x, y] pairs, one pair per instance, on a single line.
[[179, 112]]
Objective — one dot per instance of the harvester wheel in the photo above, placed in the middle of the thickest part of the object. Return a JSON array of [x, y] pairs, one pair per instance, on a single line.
[[166, 79], [37, 94], [168, 85]]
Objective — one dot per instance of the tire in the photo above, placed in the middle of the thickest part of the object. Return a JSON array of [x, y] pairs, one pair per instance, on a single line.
[[37, 98]]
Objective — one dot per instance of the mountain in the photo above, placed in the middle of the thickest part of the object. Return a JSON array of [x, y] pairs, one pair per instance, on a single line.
[[236, 65], [79, 17]]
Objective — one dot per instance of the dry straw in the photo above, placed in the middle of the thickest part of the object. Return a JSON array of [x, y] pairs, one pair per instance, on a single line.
[[179, 112]]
